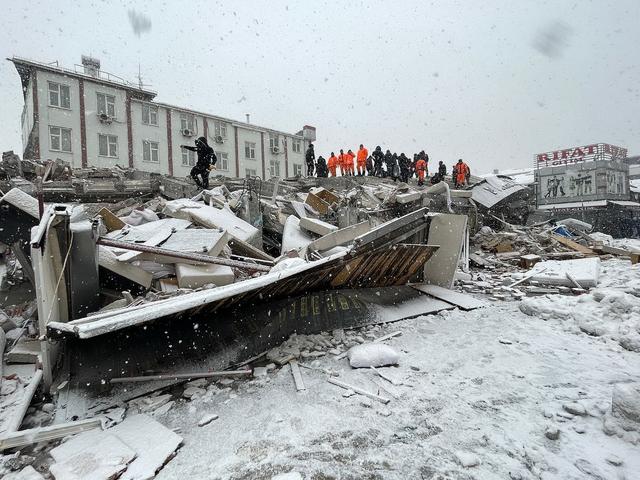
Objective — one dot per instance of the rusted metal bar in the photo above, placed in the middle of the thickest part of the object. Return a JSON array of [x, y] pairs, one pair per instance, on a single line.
[[196, 257]]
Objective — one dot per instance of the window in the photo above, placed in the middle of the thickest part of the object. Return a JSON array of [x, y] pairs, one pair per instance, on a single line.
[[149, 114], [188, 158], [296, 146], [273, 141], [107, 145], [250, 172], [220, 128], [223, 161], [187, 122], [106, 105], [59, 95], [274, 168], [59, 139], [250, 150], [149, 151], [297, 170]]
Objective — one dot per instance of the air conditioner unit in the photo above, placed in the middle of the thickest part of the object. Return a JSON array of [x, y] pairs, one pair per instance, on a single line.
[[275, 150], [104, 118], [219, 139], [187, 133]]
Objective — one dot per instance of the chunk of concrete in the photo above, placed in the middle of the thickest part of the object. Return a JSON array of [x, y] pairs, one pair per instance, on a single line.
[[317, 226], [408, 197], [585, 271], [196, 276], [339, 237], [206, 241], [293, 237]]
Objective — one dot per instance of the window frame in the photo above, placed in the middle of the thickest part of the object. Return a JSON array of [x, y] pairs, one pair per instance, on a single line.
[[223, 161], [250, 150], [60, 139], [186, 119], [60, 87], [296, 145], [247, 173], [274, 141], [107, 103], [149, 108], [220, 128], [150, 147], [109, 137], [274, 167], [297, 166], [190, 157]]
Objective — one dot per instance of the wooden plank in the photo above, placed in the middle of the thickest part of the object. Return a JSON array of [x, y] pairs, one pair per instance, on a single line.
[[178, 376], [27, 395], [44, 434], [110, 220], [358, 390], [567, 242], [297, 375], [462, 300]]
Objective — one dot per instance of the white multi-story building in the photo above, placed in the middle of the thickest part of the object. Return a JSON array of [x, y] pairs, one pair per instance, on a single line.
[[90, 118]]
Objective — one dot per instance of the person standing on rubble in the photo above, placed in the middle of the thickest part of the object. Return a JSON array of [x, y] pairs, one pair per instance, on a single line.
[[442, 170], [462, 173], [378, 157], [310, 157], [454, 175], [369, 165], [363, 153], [421, 169], [205, 163], [388, 163], [350, 167], [333, 164], [321, 167], [405, 167], [342, 162]]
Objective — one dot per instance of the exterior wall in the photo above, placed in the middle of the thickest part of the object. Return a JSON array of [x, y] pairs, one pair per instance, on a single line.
[[152, 133], [253, 136], [27, 115], [596, 180], [59, 117], [95, 127]]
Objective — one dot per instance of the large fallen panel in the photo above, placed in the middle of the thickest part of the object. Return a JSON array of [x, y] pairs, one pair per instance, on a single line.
[[208, 241], [462, 300], [449, 232], [376, 261], [340, 237], [293, 237]]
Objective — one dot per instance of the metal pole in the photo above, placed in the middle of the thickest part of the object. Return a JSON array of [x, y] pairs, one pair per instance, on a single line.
[[197, 257]]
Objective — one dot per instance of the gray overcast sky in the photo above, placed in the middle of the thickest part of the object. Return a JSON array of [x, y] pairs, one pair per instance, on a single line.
[[493, 82]]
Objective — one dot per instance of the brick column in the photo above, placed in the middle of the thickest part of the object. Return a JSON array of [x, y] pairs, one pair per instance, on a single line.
[[169, 143], [83, 125]]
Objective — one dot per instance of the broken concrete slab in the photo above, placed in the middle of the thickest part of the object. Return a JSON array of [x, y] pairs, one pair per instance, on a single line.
[[585, 271], [27, 473], [450, 233], [207, 241], [408, 197], [25, 351], [461, 300], [196, 276], [107, 259], [319, 227], [294, 238]]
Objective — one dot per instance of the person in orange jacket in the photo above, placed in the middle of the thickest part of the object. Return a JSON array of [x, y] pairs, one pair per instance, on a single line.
[[342, 162], [332, 164], [462, 171], [363, 153], [350, 157], [421, 169]]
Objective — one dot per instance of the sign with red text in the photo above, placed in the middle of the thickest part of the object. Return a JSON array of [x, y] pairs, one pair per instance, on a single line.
[[579, 154]]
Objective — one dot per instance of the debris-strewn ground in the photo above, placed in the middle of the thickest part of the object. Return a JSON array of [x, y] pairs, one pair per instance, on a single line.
[[492, 387]]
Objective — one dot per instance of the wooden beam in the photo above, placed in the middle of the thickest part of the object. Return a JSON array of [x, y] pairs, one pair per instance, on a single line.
[[297, 375], [573, 245], [358, 390], [179, 376], [14, 424]]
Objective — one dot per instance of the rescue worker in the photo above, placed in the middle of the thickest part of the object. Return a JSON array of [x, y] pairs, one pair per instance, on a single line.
[[361, 159], [321, 167], [369, 166], [388, 162], [395, 167], [206, 161], [442, 170], [421, 169], [454, 175], [378, 157], [405, 167], [332, 164], [310, 157], [342, 162], [350, 167], [462, 173]]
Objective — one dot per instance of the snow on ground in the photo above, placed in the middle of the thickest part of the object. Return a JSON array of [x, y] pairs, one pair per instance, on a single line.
[[483, 395]]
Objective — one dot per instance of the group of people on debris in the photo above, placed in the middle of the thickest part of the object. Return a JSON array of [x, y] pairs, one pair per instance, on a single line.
[[384, 165], [378, 164]]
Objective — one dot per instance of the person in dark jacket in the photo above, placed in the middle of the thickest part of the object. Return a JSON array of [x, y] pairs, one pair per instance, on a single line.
[[369, 165], [378, 158], [206, 161], [310, 157], [388, 163], [321, 167], [405, 167], [442, 170]]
